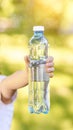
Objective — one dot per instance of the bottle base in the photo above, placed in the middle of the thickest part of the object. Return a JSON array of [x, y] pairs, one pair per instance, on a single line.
[[39, 111]]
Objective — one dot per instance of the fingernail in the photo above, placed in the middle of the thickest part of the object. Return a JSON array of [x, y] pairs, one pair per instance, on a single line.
[[50, 69]]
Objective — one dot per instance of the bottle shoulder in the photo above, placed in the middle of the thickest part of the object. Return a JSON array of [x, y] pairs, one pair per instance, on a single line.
[[39, 39]]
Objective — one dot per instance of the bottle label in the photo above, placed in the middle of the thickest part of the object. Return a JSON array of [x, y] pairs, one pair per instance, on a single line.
[[38, 73]]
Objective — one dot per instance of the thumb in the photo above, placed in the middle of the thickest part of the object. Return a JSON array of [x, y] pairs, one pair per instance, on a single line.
[[26, 59]]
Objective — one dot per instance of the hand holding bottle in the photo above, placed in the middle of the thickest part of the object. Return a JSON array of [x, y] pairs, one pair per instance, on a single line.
[[49, 66]]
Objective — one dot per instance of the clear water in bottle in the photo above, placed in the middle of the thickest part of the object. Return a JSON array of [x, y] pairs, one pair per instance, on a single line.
[[39, 94]]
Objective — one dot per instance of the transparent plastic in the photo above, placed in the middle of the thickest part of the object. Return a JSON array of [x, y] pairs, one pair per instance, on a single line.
[[39, 93]]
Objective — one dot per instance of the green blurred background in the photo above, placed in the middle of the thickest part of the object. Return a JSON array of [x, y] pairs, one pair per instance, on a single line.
[[17, 17]]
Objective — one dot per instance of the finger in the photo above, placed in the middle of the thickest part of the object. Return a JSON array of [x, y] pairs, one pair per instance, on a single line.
[[49, 59], [51, 75], [51, 64], [49, 70]]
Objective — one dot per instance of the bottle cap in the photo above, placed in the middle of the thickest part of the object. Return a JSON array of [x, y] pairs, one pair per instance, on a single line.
[[38, 28]]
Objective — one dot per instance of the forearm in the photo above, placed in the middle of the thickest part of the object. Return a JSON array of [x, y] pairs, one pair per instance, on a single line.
[[16, 80], [11, 83]]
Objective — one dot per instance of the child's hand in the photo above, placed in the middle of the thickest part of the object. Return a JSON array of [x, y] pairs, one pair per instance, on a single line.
[[50, 66]]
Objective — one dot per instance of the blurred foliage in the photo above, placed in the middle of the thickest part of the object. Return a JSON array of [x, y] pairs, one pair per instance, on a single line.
[[17, 17]]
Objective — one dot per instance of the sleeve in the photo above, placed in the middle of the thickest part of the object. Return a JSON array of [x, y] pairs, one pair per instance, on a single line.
[[6, 115], [6, 112]]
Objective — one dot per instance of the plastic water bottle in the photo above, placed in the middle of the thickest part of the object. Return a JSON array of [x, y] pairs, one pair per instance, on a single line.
[[39, 94]]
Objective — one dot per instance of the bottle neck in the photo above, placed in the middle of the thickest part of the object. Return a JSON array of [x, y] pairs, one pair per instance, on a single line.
[[38, 33]]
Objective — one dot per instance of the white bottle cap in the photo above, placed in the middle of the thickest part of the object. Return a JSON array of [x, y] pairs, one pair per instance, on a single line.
[[38, 28]]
